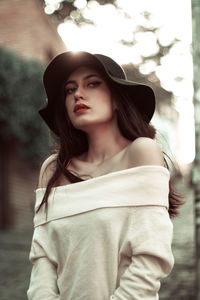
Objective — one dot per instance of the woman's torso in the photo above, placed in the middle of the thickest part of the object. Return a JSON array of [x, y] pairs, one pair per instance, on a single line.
[[96, 224]]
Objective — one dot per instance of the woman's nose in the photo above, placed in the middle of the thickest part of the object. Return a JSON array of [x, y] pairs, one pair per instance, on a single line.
[[79, 94]]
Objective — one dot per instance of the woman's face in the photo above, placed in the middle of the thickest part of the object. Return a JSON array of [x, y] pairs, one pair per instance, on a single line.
[[86, 87]]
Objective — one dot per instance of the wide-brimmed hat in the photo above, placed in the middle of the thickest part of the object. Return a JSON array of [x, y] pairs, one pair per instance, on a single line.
[[59, 69]]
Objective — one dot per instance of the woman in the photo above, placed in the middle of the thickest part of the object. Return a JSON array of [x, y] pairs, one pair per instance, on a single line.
[[103, 204]]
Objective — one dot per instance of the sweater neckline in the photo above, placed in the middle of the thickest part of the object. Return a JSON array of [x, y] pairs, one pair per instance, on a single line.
[[97, 178]]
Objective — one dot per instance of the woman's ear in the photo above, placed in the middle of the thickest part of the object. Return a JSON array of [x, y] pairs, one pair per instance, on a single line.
[[114, 105]]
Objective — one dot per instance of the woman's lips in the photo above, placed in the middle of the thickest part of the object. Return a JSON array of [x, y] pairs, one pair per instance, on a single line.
[[79, 106], [81, 109]]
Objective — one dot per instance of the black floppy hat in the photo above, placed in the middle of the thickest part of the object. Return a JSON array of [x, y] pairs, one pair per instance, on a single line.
[[65, 63]]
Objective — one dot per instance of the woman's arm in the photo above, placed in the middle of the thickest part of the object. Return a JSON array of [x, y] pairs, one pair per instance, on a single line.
[[151, 237], [47, 170], [43, 282], [152, 259]]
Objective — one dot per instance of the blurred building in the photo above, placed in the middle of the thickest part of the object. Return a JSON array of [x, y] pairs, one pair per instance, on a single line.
[[26, 30]]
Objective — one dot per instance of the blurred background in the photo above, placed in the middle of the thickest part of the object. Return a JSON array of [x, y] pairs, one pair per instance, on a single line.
[[152, 39]]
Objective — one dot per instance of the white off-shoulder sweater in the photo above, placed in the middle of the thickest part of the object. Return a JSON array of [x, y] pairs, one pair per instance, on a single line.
[[105, 238]]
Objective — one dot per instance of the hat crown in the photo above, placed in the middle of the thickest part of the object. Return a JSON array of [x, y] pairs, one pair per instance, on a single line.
[[111, 66]]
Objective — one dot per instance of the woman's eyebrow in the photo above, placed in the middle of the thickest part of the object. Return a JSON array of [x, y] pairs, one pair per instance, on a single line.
[[90, 75], [85, 78]]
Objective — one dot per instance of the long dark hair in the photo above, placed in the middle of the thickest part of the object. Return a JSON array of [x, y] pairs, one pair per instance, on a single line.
[[73, 142]]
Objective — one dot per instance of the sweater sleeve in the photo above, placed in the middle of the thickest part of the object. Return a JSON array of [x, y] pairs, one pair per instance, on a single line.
[[43, 281], [151, 256]]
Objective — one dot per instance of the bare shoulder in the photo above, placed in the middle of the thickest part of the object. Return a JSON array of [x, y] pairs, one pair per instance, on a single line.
[[47, 170], [145, 151]]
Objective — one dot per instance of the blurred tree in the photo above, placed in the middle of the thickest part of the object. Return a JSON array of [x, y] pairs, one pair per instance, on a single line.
[[196, 164], [61, 9], [21, 95]]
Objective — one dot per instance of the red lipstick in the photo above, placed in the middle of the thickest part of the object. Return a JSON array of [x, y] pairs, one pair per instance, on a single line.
[[80, 107]]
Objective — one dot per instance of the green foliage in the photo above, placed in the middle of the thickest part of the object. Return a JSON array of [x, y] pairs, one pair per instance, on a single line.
[[21, 95]]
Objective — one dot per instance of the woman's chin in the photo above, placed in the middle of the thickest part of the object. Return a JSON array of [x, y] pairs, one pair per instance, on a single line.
[[83, 124], [87, 126]]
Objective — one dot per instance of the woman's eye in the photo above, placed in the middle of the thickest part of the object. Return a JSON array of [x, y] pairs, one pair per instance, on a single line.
[[94, 83], [69, 90]]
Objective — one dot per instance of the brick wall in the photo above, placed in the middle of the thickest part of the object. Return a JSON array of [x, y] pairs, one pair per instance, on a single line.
[[26, 29]]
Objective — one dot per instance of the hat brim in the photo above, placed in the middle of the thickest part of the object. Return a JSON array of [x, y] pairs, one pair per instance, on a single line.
[[62, 65]]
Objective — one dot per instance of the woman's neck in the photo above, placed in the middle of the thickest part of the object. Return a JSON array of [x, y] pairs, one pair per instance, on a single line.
[[103, 144], [104, 140]]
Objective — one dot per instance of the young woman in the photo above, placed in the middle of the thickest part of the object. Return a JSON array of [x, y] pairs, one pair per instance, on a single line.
[[104, 200]]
